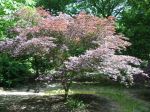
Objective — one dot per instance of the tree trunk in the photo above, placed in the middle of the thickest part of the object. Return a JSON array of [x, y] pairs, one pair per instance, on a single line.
[[66, 88], [36, 66], [66, 94]]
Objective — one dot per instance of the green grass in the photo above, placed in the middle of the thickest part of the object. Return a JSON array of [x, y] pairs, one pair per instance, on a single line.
[[122, 97]]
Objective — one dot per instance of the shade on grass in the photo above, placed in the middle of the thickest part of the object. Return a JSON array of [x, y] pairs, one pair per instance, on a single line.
[[122, 97]]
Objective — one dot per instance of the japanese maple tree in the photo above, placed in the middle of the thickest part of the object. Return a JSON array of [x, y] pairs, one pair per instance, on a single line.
[[79, 44]]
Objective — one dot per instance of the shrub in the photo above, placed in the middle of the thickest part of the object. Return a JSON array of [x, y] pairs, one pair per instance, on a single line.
[[74, 104], [12, 72]]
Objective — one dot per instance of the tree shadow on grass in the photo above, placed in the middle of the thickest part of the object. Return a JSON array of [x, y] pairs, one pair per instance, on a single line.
[[56, 104], [39, 104], [96, 103], [143, 94]]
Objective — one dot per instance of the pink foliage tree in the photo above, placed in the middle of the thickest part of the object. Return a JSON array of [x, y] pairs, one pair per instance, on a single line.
[[55, 36]]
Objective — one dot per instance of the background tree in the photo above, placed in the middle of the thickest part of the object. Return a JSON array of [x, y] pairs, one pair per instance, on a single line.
[[54, 6], [101, 8], [7, 9], [134, 23], [12, 71], [107, 8]]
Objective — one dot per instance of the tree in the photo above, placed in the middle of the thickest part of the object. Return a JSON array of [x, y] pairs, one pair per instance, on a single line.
[[83, 44], [12, 71], [101, 8], [7, 9], [54, 6], [108, 7], [134, 23]]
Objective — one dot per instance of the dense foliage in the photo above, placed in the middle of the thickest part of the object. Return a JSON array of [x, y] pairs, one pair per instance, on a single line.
[[11, 70], [135, 25], [100, 8], [54, 6], [7, 9]]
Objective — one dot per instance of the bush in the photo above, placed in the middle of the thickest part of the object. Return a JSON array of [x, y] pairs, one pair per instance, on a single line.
[[12, 72], [74, 104]]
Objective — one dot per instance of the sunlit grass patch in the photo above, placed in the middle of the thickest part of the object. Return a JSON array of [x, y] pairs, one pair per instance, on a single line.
[[120, 95], [60, 92]]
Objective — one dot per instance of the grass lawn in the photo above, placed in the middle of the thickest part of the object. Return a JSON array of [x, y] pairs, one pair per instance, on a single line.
[[126, 100], [97, 97]]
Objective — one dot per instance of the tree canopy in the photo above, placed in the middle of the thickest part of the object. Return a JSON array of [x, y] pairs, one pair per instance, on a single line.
[[135, 25]]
